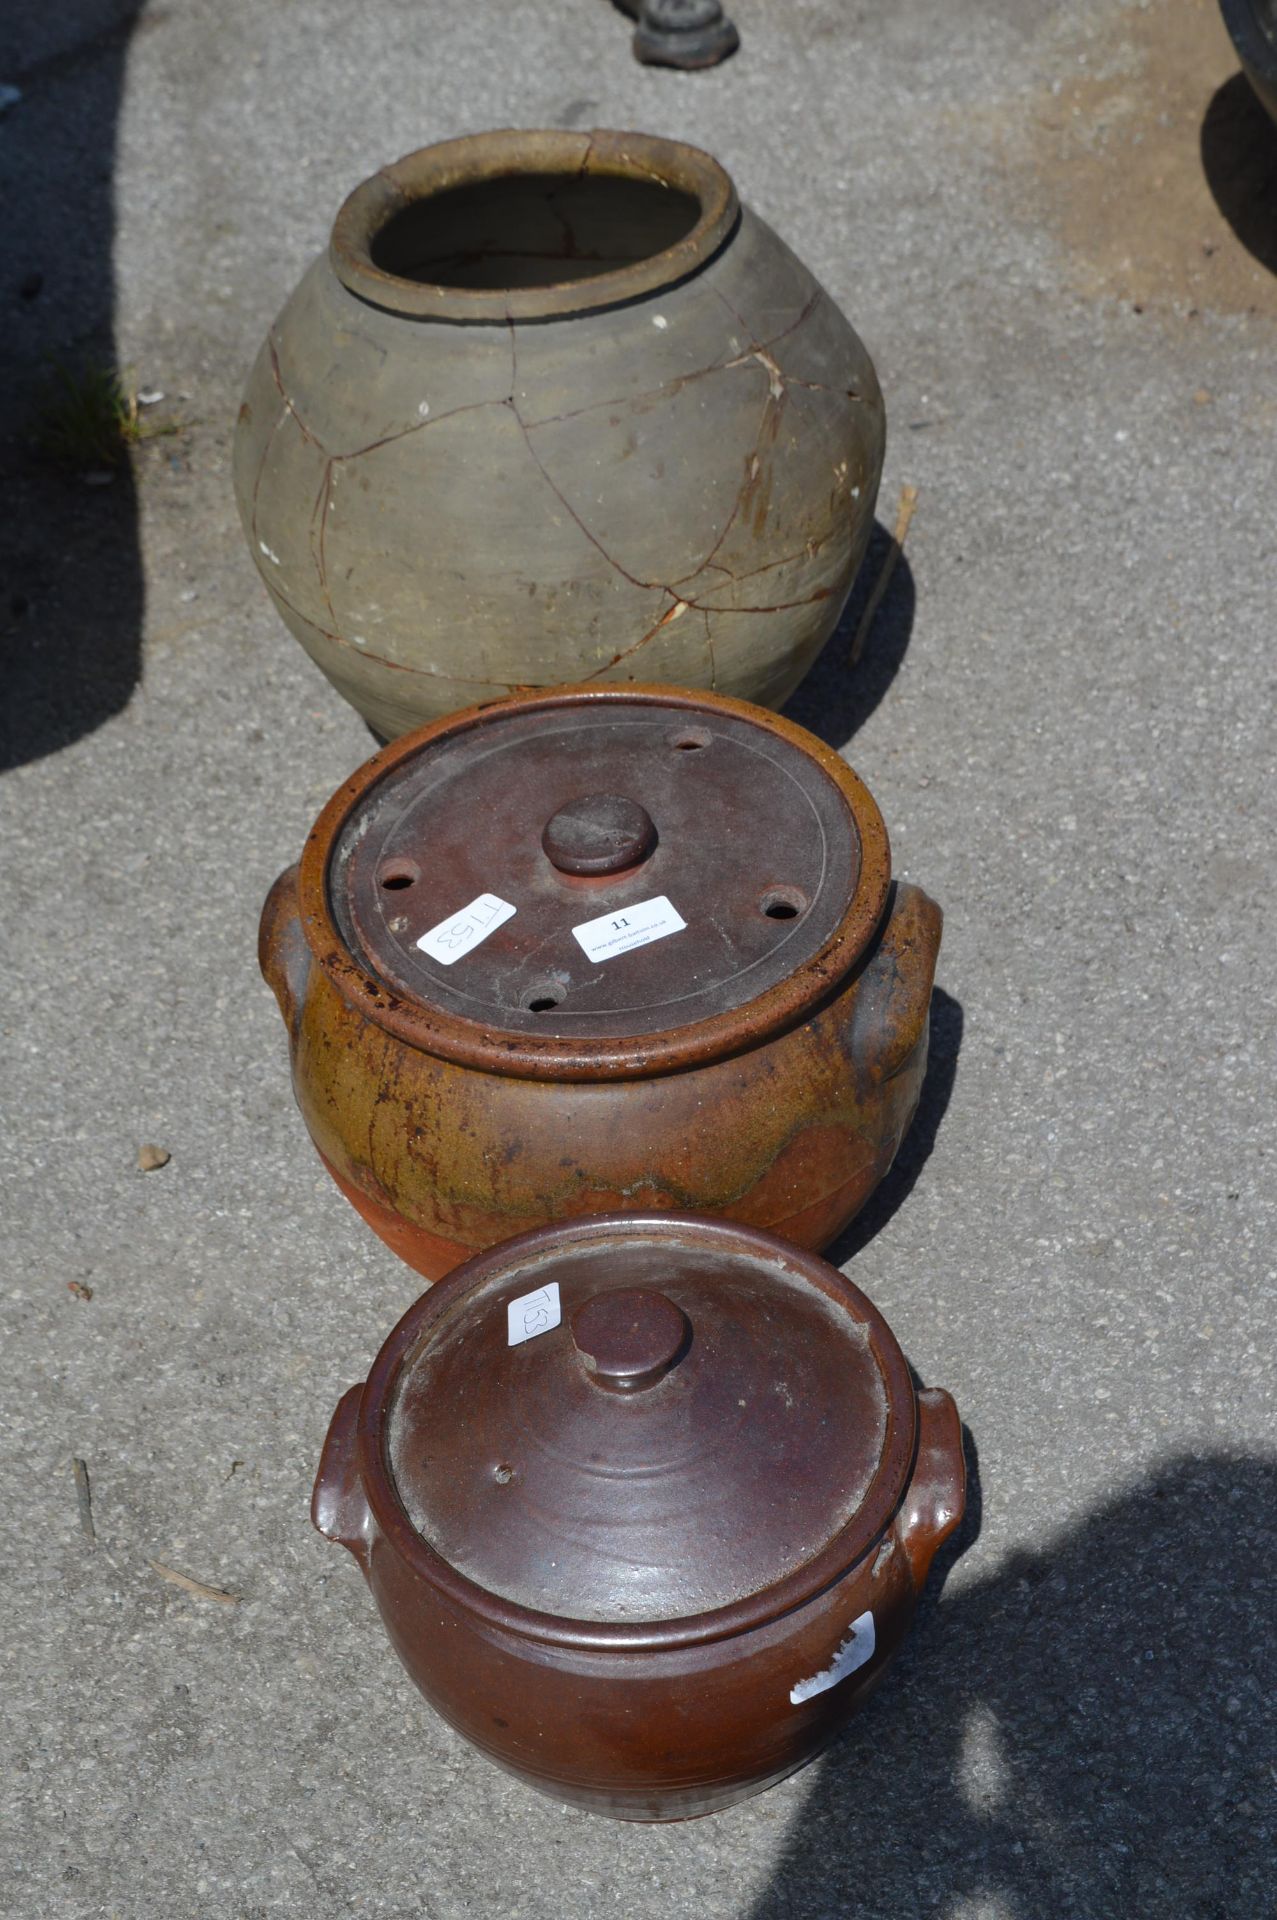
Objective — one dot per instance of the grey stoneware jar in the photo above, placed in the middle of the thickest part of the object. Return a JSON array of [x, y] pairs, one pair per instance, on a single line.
[[555, 407]]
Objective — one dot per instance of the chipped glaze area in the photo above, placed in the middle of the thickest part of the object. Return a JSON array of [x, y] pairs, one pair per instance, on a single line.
[[855, 1650]]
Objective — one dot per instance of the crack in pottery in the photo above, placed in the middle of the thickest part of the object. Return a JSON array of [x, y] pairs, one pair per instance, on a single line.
[[750, 515]]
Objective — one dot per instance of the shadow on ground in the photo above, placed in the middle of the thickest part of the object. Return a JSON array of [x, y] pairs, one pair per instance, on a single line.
[[71, 599], [1239, 157], [1086, 1733], [836, 699]]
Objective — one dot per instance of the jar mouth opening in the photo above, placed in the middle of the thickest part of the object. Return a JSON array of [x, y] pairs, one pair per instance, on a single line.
[[525, 226]]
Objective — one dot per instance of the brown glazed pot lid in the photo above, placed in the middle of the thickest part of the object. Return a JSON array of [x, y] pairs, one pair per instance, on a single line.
[[596, 881], [652, 1427]]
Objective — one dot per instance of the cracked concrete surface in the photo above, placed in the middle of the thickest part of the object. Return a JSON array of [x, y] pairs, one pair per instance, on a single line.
[[1065, 712]]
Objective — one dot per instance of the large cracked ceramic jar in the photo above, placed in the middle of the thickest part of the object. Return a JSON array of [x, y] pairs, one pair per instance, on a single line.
[[596, 949], [646, 1505], [554, 407]]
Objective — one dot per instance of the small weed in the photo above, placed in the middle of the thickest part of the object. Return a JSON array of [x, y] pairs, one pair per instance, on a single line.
[[88, 416]]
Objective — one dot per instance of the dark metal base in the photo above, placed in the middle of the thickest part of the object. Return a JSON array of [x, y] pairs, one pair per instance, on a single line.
[[1252, 25], [681, 33]]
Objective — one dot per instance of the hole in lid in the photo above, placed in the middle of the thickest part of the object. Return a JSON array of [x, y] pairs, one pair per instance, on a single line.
[[544, 997], [783, 903], [397, 874], [691, 739]]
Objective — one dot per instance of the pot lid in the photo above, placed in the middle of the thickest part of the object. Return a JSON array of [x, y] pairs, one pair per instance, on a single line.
[[644, 1419], [595, 872]]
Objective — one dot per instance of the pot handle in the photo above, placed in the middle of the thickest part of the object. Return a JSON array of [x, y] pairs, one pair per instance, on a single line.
[[282, 953], [937, 1496], [893, 993], [338, 1506]]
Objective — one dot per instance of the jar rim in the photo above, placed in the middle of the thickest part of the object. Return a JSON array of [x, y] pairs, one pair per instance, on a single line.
[[509, 152]]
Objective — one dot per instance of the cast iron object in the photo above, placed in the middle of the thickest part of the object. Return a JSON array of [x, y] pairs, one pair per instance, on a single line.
[[555, 407], [652, 1558], [681, 33], [1252, 24], [761, 1061]]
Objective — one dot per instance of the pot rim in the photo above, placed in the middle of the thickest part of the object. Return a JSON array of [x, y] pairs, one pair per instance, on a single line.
[[470, 1043], [840, 1554], [478, 157]]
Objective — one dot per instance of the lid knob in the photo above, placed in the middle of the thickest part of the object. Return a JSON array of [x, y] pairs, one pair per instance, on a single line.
[[629, 1339], [599, 833]]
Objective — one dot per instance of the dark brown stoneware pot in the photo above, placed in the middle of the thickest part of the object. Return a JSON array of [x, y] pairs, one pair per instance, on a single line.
[[645, 1504], [599, 949]]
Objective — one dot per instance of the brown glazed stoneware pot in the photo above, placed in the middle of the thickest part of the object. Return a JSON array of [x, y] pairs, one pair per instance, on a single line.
[[555, 407], [645, 1504], [665, 965]]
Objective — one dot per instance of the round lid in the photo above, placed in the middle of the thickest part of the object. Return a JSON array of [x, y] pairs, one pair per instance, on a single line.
[[597, 880], [635, 1420]]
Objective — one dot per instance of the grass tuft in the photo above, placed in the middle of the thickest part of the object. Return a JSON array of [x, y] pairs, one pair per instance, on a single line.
[[88, 416]]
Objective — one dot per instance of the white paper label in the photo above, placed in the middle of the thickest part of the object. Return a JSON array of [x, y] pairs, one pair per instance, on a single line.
[[614, 933], [533, 1313], [462, 932], [852, 1652]]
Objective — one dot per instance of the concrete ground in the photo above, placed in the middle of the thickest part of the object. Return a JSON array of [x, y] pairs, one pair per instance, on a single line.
[[1054, 226]]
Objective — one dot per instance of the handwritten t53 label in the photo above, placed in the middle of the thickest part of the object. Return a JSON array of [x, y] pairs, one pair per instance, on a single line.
[[462, 932], [533, 1313]]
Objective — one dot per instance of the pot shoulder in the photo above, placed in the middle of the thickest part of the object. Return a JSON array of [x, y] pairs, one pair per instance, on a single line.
[[787, 312], [351, 374]]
